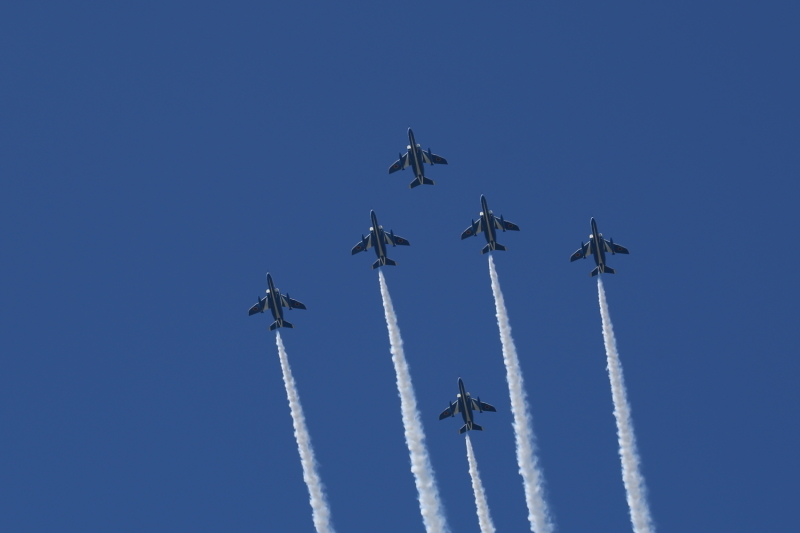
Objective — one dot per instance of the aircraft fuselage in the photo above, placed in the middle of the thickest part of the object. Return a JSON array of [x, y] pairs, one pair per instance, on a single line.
[[275, 299], [599, 250], [466, 405], [377, 236], [414, 154], [489, 230]]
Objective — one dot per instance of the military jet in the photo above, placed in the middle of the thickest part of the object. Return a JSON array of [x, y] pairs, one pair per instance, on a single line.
[[488, 223], [465, 404], [276, 301], [598, 247], [379, 239], [415, 157]]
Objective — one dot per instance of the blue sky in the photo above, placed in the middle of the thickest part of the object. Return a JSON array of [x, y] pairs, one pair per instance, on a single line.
[[158, 158]]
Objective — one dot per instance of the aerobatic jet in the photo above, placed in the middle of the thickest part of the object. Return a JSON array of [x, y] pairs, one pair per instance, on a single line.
[[378, 239], [276, 301], [598, 247], [415, 157], [465, 404], [488, 223]]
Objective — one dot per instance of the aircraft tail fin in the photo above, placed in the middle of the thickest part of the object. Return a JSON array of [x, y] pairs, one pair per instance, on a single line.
[[422, 181], [602, 270], [383, 261], [468, 426], [493, 246], [280, 323]]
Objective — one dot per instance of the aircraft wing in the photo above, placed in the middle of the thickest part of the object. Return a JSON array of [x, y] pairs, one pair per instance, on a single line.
[[482, 406], [477, 229], [387, 237], [582, 252], [361, 247], [615, 248], [450, 411], [432, 158], [400, 164], [505, 225], [291, 302], [257, 307]]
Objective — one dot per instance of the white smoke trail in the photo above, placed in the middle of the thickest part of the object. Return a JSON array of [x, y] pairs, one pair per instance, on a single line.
[[632, 478], [532, 478], [484, 518], [429, 504], [316, 491]]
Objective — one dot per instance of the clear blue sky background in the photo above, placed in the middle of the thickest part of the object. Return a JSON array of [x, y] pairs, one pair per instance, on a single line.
[[157, 158]]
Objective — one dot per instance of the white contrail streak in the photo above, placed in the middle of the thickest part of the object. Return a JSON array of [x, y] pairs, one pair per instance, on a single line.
[[316, 491], [484, 518], [632, 478], [532, 478], [429, 504]]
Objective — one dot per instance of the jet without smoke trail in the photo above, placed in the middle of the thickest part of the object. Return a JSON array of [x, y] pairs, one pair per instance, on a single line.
[[316, 491], [429, 503], [533, 480], [632, 478], [484, 518]]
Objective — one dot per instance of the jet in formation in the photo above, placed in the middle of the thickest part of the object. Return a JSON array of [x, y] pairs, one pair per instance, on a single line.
[[598, 246], [415, 157], [465, 404], [276, 301], [489, 224], [378, 239]]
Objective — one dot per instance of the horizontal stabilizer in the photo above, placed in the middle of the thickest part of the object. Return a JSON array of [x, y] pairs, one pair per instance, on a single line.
[[383, 261], [468, 426], [425, 181], [280, 324], [602, 270], [493, 246]]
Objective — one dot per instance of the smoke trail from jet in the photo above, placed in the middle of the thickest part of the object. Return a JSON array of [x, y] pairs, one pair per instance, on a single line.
[[429, 504], [484, 518], [316, 491], [532, 477], [632, 478]]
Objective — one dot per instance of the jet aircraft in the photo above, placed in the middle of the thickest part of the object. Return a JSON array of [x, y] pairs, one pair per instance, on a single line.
[[598, 247], [465, 404], [415, 157], [488, 223], [378, 239], [276, 301]]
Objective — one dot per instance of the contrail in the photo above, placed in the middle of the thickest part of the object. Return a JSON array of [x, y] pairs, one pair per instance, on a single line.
[[316, 491], [484, 518], [429, 504], [632, 478], [532, 477]]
